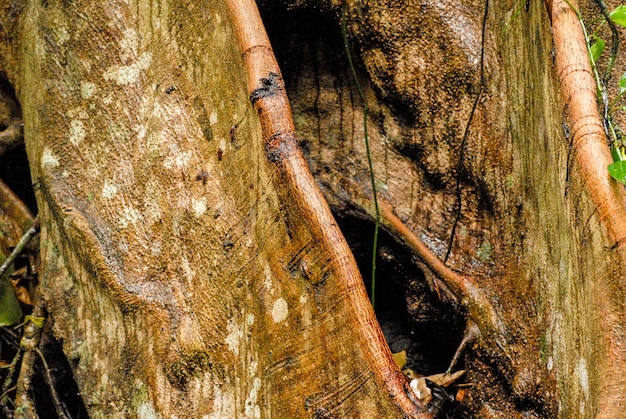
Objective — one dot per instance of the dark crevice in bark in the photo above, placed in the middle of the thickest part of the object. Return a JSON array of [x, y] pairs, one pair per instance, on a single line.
[[15, 173], [413, 317], [63, 380]]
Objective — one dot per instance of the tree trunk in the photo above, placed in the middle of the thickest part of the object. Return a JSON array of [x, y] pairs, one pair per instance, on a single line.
[[193, 268], [186, 267], [483, 167]]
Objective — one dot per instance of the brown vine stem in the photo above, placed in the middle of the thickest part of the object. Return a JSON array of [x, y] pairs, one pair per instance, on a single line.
[[462, 288], [267, 94], [589, 142]]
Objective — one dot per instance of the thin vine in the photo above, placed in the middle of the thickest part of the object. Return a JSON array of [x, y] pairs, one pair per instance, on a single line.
[[344, 34]]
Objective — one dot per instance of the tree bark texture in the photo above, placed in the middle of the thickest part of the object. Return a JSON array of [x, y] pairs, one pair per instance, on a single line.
[[192, 268], [489, 175], [188, 272]]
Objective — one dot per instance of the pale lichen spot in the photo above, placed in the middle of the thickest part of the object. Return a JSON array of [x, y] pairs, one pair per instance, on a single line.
[[77, 132], [303, 299], [130, 215], [87, 89], [104, 380], [77, 112], [213, 118], [152, 210], [280, 310], [235, 334], [140, 130], [252, 408], [177, 159], [146, 411], [253, 367], [199, 206], [189, 272], [126, 74], [156, 249], [62, 35], [250, 319], [583, 376], [129, 43], [48, 158], [109, 190]]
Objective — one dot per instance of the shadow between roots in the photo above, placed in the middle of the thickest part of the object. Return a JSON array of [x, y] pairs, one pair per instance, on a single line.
[[412, 316]]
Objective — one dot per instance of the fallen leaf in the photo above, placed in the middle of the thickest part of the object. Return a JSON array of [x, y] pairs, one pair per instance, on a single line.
[[445, 379], [421, 390], [460, 395], [400, 358]]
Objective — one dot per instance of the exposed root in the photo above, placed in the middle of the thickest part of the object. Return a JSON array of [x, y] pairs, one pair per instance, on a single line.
[[456, 284], [269, 98], [14, 207], [484, 320], [29, 343], [471, 334], [589, 142]]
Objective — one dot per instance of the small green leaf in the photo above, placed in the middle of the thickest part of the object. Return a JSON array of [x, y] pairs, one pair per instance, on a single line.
[[622, 83], [37, 321], [10, 311], [618, 15], [617, 171], [617, 153], [596, 49]]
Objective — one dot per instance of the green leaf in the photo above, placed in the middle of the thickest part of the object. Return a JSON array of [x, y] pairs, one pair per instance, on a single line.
[[10, 311], [618, 15], [37, 321], [617, 154], [617, 171], [596, 49], [622, 83]]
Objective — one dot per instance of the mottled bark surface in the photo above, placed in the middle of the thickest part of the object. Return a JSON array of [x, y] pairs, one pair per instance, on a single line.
[[472, 151], [190, 273], [188, 270]]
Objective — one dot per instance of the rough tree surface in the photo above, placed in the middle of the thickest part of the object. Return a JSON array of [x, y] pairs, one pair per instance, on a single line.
[[192, 268]]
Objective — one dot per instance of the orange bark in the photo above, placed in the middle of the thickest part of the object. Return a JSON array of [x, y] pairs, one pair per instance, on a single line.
[[267, 93], [589, 142]]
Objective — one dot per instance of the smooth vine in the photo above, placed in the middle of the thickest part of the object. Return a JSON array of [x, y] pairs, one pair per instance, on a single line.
[[595, 48], [344, 34]]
